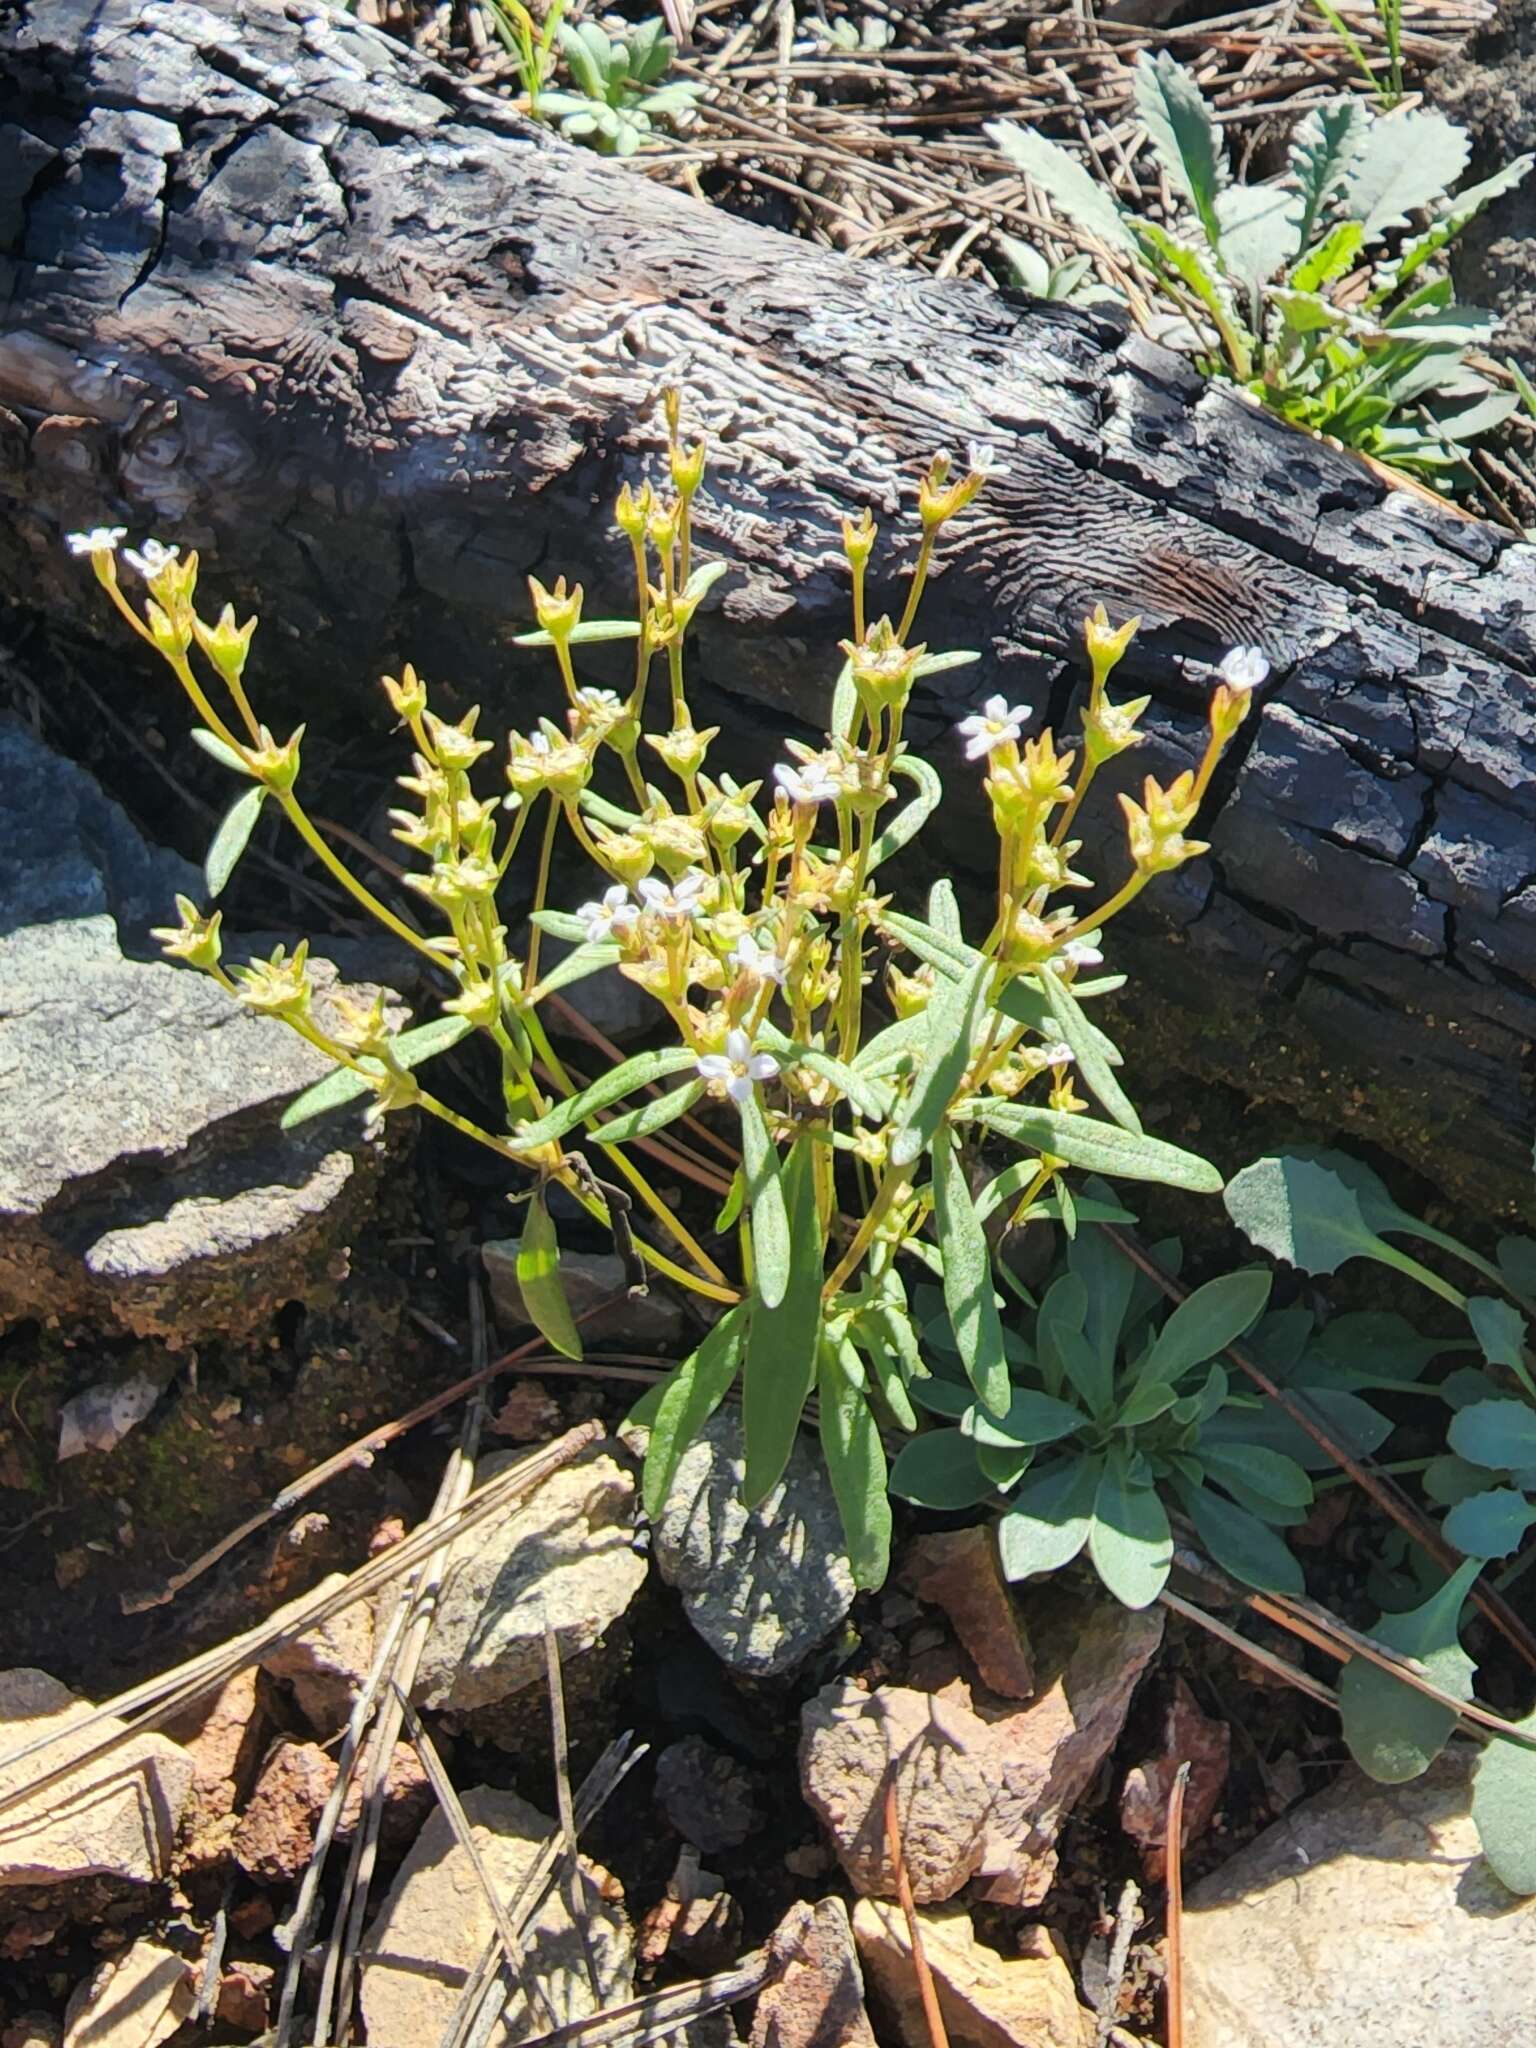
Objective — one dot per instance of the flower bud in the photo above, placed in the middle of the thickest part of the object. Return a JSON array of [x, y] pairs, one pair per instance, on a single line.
[[276, 766], [195, 940], [859, 538], [408, 696], [687, 469], [1106, 644], [633, 510], [278, 987], [557, 611], [455, 746], [226, 644], [683, 749]]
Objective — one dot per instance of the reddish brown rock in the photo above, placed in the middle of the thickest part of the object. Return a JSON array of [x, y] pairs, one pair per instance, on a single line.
[[818, 2000], [1191, 1737], [223, 1737], [245, 1997], [327, 1665], [276, 1832], [957, 1571], [987, 2000]]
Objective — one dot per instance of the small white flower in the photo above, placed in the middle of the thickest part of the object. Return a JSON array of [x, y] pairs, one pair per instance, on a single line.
[[101, 540], [608, 702], [811, 784], [674, 902], [983, 460], [1244, 668], [1078, 953], [996, 723], [738, 1067], [613, 916], [150, 559], [760, 962], [1057, 1055]]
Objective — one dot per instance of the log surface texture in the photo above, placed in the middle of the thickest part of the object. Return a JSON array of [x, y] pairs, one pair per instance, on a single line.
[[274, 288]]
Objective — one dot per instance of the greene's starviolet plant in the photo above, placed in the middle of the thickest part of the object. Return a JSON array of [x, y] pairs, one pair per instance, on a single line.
[[756, 921]]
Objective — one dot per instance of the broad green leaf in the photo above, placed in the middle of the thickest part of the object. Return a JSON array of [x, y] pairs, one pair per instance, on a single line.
[[1048, 1518], [782, 1341], [1300, 1211], [1395, 1732], [1373, 1348], [1401, 162], [968, 1279], [1084, 199], [690, 1395], [223, 754], [1203, 1406], [652, 1116], [1258, 1470], [1129, 1539], [768, 1205], [1147, 1401], [232, 838], [409, 1048], [1030, 1418], [1241, 1544], [1350, 1422], [952, 1019], [1504, 1808], [1301, 313], [1517, 1256], [953, 1399], [539, 1282], [1491, 1524], [1333, 256], [1095, 1056], [909, 821], [1449, 1479], [855, 1459], [1469, 422], [1320, 151], [1498, 1434], [609, 1088], [939, 1470], [1260, 232], [1005, 1464], [1202, 1327], [1500, 1329], [1102, 1148], [1088, 1371], [1186, 137], [588, 958]]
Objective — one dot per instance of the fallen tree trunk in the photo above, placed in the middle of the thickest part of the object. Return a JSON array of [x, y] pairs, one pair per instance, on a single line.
[[278, 290]]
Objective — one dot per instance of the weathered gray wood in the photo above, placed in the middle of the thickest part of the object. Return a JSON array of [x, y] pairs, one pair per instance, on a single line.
[[276, 289]]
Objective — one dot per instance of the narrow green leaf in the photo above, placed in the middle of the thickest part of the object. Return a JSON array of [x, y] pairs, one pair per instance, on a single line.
[[609, 1088], [732, 1206], [1241, 1544], [1049, 1517], [561, 924], [1109, 1280], [1257, 1469], [768, 1209], [1062, 1314], [651, 1116], [1092, 1050], [909, 821], [968, 1295], [1202, 1327], [944, 911], [952, 1019], [850, 1443], [1393, 1731], [1504, 1808], [782, 1339], [689, 1396], [588, 958], [409, 1048], [1030, 1418], [539, 1282], [232, 838], [1129, 1540], [223, 754], [1102, 1148], [1186, 137], [939, 1470], [1085, 201], [889, 1370], [587, 632]]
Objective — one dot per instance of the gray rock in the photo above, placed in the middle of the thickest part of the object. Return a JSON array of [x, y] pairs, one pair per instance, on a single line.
[[566, 1552], [143, 1179], [712, 1800], [652, 1321], [764, 1587], [1367, 1914]]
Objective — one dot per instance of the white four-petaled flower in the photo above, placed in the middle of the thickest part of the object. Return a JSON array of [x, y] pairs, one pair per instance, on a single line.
[[1244, 668], [811, 784], [1057, 1055], [101, 540], [983, 460], [613, 916], [761, 963], [738, 1067], [1078, 953], [996, 723], [151, 558], [674, 902]]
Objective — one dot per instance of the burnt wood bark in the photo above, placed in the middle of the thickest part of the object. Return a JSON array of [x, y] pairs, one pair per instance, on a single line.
[[278, 290]]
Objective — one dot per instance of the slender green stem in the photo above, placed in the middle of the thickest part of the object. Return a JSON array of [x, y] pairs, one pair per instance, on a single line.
[[919, 579], [541, 886], [298, 818]]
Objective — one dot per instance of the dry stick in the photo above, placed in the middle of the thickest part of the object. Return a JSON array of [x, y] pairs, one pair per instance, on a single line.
[[932, 2016], [1128, 1918], [160, 1699], [1388, 1496], [1303, 1681], [361, 1451], [666, 2012], [571, 1861], [1175, 1853]]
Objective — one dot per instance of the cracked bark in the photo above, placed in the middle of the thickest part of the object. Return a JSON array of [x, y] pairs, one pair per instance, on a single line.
[[277, 290]]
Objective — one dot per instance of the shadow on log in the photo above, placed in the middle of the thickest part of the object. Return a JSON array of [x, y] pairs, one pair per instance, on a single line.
[[276, 289]]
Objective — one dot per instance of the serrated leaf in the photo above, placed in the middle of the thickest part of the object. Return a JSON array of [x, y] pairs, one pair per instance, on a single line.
[[1400, 163], [1300, 1211], [1498, 1434], [1086, 202], [1328, 262], [1500, 1329], [1242, 1545], [409, 1048], [689, 1396], [968, 1297], [652, 1116], [1092, 1052], [939, 1470], [1393, 1731], [1489, 1524], [1319, 155], [1101, 1148], [768, 1206], [1202, 1326], [232, 838], [850, 1443], [1186, 263], [609, 1088], [1260, 232], [952, 1017], [782, 1341], [1456, 215], [1504, 1809], [1128, 1539], [1048, 1518], [539, 1282], [1186, 137]]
